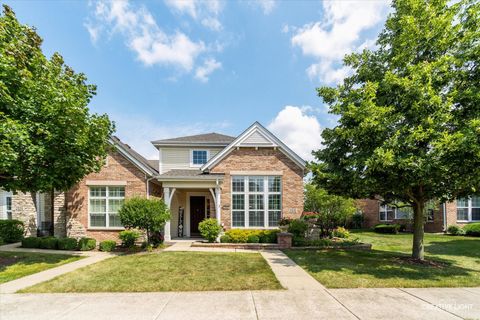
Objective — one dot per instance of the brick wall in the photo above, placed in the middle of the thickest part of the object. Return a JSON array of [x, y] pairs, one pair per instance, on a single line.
[[118, 168], [263, 159]]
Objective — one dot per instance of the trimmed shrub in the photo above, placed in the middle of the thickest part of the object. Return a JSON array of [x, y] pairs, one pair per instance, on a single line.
[[341, 232], [253, 238], [31, 242], [49, 243], [455, 230], [298, 228], [387, 228], [472, 229], [67, 244], [107, 245], [268, 236], [11, 230], [86, 244], [225, 239], [128, 237], [209, 229]]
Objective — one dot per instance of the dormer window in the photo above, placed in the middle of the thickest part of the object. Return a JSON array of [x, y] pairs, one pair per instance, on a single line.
[[199, 157]]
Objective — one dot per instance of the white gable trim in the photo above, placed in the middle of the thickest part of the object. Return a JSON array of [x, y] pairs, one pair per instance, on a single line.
[[137, 163], [270, 141]]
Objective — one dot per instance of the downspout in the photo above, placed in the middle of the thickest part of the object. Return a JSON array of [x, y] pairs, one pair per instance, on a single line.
[[148, 185]]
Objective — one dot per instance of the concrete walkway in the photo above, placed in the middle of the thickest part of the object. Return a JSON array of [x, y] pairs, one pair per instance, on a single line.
[[33, 279]]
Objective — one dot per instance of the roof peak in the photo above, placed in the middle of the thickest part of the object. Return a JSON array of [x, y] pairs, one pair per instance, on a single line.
[[207, 138]]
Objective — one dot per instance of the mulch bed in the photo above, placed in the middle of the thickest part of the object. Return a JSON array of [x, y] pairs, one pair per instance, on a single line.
[[426, 263]]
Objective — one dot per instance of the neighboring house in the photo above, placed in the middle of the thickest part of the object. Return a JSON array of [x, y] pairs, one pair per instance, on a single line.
[[459, 212], [249, 181]]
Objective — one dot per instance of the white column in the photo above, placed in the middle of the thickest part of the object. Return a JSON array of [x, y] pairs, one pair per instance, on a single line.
[[217, 204], [167, 199]]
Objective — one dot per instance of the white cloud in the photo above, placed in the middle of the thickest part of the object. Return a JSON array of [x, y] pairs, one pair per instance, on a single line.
[[266, 5], [93, 31], [338, 33], [206, 12], [206, 69], [298, 129], [144, 36]]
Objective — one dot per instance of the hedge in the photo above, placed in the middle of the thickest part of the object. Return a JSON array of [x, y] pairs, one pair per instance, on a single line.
[[86, 244], [387, 228], [11, 230], [49, 243], [455, 230], [67, 244], [472, 229], [107, 245], [31, 242], [242, 236]]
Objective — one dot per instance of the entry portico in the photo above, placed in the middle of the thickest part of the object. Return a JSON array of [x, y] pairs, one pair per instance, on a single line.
[[191, 197]]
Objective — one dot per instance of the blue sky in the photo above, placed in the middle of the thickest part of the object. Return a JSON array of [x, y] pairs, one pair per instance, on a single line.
[[172, 68]]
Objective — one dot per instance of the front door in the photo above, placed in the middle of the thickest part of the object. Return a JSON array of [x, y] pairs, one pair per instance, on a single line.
[[197, 213]]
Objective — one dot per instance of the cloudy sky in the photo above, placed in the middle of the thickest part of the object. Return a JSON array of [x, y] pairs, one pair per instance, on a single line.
[[176, 67]]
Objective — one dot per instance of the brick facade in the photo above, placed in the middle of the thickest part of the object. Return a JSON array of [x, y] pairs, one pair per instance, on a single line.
[[118, 168], [263, 159]]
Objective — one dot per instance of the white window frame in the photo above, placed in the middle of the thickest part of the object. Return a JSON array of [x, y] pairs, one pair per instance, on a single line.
[[107, 211], [469, 208], [383, 208], [246, 192], [201, 164], [6, 213]]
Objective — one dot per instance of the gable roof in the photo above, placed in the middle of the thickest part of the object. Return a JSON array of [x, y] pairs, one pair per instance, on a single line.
[[255, 136], [136, 158], [207, 139]]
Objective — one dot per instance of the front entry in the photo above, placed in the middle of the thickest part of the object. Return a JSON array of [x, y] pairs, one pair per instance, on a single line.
[[197, 213]]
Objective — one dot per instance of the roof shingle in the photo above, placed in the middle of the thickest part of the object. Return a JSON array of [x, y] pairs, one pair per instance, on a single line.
[[207, 138]]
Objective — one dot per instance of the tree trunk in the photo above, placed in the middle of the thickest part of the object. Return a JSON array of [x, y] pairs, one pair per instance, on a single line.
[[418, 223]]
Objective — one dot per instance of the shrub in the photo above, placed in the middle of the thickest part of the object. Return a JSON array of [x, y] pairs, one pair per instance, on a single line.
[[1, 241], [107, 245], [225, 239], [472, 229], [284, 221], [86, 244], [253, 238], [298, 228], [387, 228], [11, 230], [209, 229], [31, 242], [357, 220], [156, 239], [341, 232], [67, 244], [128, 237], [145, 214], [455, 230], [268, 236], [49, 243]]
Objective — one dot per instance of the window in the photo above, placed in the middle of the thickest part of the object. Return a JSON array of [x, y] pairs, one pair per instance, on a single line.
[[5, 205], [8, 206], [104, 205], [468, 209], [387, 213], [256, 201], [403, 213], [199, 157]]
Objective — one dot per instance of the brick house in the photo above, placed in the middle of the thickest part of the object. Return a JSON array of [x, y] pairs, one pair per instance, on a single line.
[[248, 181], [459, 212]]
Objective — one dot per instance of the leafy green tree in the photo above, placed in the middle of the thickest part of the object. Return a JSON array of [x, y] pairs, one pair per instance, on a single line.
[[48, 138], [149, 215], [331, 211], [409, 127]]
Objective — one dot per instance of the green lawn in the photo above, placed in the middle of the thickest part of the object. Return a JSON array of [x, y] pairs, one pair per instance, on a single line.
[[14, 265], [455, 263], [168, 271]]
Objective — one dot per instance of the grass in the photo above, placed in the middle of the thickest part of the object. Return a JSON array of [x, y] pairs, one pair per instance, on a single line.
[[454, 262], [167, 271], [14, 265]]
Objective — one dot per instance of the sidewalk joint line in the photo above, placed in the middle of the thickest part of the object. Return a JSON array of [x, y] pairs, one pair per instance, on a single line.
[[254, 305], [165, 305], [456, 315], [346, 308]]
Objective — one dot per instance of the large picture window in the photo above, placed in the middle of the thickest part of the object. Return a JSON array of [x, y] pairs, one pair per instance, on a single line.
[[468, 209], [256, 201], [104, 205]]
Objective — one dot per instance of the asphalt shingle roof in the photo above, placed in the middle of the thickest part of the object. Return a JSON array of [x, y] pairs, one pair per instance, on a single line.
[[198, 139], [137, 156], [190, 174]]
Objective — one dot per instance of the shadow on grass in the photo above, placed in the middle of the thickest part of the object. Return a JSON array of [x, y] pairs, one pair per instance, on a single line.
[[17, 259], [455, 247], [378, 264]]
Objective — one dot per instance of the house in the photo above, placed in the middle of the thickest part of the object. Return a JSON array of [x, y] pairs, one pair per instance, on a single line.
[[438, 218], [248, 181]]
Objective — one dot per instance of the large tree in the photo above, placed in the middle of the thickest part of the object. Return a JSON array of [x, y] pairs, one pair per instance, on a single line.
[[409, 126], [48, 138]]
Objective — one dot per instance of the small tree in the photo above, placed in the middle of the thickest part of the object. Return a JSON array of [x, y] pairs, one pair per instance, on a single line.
[[209, 229], [332, 211], [149, 215]]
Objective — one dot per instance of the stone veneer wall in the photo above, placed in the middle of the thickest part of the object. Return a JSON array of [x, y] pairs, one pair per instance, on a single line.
[[118, 168], [24, 208], [263, 159]]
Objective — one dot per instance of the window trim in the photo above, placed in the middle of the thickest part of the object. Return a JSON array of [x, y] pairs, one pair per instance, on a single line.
[[107, 218], [386, 212], [191, 157], [5, 213], [246, 192], [469, 208]]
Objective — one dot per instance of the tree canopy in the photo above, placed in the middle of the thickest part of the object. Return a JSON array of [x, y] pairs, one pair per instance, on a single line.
[[409, 127], [48, 138]]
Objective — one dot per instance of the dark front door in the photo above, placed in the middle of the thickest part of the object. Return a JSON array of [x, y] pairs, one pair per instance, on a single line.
[[197, 213]]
